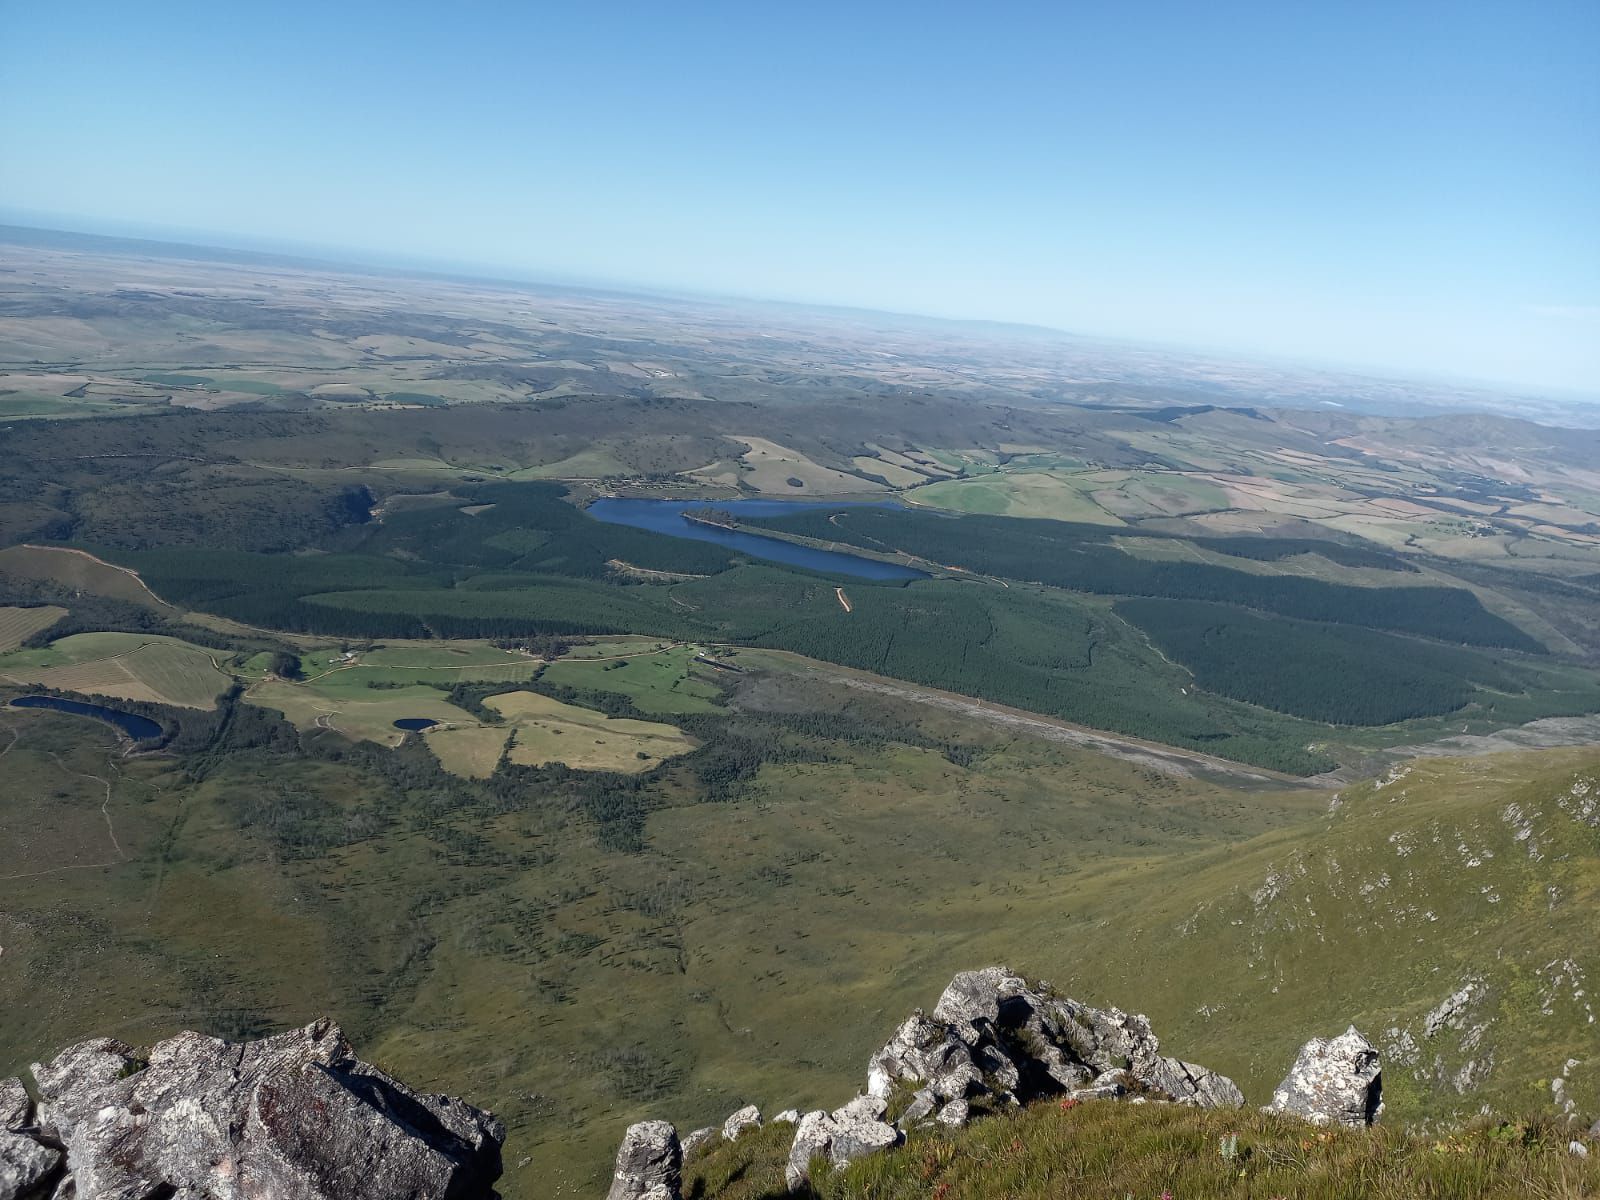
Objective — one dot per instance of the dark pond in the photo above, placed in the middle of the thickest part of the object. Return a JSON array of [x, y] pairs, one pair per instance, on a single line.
[[666, 516], [415, 724], [138, 728]]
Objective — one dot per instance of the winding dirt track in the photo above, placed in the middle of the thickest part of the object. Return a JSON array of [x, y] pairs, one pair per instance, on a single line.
[[128, 571], [105, 813]]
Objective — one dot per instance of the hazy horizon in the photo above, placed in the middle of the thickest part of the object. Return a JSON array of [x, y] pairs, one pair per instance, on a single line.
[[346, 258], [1398, 189]]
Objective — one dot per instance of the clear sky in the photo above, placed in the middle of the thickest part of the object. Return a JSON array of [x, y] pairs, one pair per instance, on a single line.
[[1396, 184]]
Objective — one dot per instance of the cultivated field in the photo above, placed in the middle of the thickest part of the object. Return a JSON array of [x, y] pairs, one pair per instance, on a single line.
[[664, 682], [357, 712], [1047, 494], [471, 751], [17, 625], [77, 571], [547, 731], [129, 666]]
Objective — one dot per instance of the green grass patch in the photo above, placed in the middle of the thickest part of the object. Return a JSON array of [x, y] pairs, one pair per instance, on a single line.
[[664, 682], [1114, 1150]]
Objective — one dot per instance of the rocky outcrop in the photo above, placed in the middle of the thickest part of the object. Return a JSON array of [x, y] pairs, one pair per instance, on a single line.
[[996, 1040], [294, 1117], [993, 1041], [649, 1164], [26, 1164], [1334, 1081]]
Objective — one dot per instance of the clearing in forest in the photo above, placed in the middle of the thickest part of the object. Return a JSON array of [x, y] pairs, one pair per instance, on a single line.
[[779, 471], [548, 731], [663, 682]]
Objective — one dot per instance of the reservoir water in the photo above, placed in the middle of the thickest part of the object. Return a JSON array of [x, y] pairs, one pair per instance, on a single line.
[[139, 728], [415, 724], [666, 516]]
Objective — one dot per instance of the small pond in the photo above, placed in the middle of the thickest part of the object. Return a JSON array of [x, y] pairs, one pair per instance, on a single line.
[[139, 728], [415, 724], [666, 516]]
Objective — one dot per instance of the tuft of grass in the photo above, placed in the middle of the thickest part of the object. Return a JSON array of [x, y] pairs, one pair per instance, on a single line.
[[1111, 1150]]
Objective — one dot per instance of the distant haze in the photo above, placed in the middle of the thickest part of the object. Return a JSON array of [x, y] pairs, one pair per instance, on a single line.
[[1408, 186]]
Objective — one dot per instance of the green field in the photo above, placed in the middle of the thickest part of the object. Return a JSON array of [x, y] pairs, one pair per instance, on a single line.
[[664, 682], [17, 625], [517, 560], [406, 901], [358, 712], [1054, 495], [547, 731], [1046, 1152], [130, 666]]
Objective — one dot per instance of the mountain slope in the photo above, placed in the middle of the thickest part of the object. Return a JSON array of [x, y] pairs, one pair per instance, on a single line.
[[1447, 908]]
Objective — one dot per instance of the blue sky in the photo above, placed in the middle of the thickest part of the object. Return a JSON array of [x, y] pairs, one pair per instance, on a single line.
[[1403, 185]]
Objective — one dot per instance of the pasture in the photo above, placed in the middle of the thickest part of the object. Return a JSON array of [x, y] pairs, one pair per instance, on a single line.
[[357, 712], [776, 470], [17, 625], [1054, 495], [77, 571], [442, 663], [548, 731], [128, 666], [665, 682], [471, 751]]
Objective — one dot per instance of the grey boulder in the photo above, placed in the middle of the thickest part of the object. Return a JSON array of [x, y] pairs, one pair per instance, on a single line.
[[649, 1164], [1190, 1083], [26, 1164], [748, 1117], [1334, 1081], [840, 1137], [697, 1138], [295, 1117]]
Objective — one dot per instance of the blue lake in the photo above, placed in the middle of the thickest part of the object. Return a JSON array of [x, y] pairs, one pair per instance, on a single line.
[[415, 724], [666, 516], [139, 728]]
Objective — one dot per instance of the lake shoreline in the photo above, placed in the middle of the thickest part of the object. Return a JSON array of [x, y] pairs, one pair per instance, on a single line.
[[678, 518]]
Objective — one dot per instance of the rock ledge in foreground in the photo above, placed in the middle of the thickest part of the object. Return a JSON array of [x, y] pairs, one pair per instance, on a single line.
[[294, 1117]]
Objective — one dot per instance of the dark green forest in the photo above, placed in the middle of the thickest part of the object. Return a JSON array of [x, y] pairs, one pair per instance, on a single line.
[[1321, 672], [1081, 558]]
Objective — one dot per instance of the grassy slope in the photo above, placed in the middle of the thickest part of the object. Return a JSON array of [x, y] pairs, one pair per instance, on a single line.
[[1109, 1151], [503, 953], [17, 625], [1482, 871], [484, 942]]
